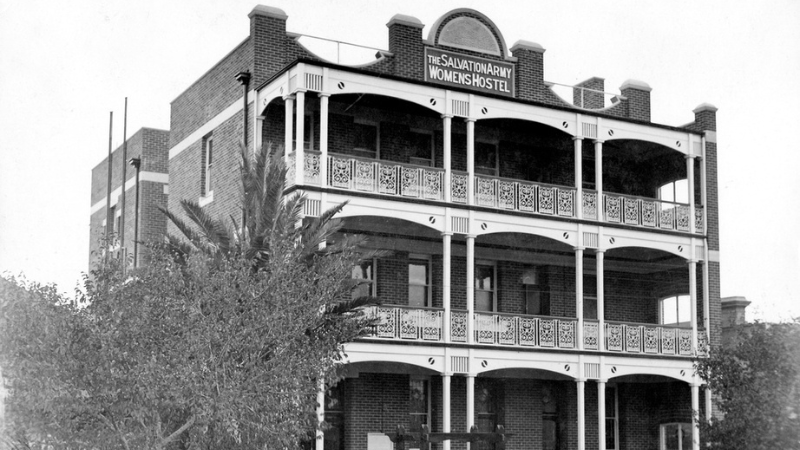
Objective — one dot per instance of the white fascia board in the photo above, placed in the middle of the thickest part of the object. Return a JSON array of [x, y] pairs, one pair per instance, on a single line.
[[154, 177]]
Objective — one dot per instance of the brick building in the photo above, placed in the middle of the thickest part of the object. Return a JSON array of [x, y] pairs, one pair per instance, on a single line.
[[555, 262], [146, 155]]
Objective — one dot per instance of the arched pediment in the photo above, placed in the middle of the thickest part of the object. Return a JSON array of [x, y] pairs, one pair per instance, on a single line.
[[467, 29]]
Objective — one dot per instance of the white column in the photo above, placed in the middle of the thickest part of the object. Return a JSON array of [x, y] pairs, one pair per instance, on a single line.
[[598, 179], [693, 300], [289, 127], [690, 183], [323, 140], [470, 401], [258, 139], [709, 409], [581, 415], [470, 288], [601, 305], [695, 422], [320, 436], [470, 161], [601, 414], [578, 177], [299, 152], [447, 239], [447, 126], [579, 294], [446, 408]]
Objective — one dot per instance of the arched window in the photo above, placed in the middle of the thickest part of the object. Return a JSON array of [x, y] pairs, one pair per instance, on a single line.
[[675, 310]]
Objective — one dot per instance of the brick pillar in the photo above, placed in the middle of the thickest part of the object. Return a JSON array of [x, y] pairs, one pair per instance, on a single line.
[[530, 71], [638, 95], [405, 43], [733, 311], [586, 98], [268, 40]]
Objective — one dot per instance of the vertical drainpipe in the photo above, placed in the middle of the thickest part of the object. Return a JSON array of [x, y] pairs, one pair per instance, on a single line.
[[123, 249], [136, 163], [244, 78]]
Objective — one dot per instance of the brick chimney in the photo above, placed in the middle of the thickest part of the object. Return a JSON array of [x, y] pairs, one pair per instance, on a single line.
[[705, 117], [733, 311], [268, 36], [589, 99], [405, 43], [530, 71], [638, 95]]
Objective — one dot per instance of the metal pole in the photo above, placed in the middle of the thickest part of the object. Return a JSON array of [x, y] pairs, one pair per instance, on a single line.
[[109, 216], [137, 163], [122, 200]]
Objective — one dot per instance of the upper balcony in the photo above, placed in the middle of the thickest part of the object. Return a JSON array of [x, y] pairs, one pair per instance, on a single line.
[[392, 148]]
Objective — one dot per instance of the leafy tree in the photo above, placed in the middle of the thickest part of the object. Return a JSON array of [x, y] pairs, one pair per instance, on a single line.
[[755, 380], [218, 343]]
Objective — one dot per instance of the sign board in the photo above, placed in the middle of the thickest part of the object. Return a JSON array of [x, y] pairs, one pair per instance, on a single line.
[[471, 72]]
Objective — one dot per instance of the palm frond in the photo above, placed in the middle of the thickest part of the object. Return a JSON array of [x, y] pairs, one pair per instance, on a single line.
[[188, 232], [214, 231]]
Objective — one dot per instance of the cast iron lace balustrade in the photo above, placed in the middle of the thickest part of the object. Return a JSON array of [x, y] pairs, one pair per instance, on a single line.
[[406, 323], [421, 182], [648, 338], [385, 177], [527, 331]]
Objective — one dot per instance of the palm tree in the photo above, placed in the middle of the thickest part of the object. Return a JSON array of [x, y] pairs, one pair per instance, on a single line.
[[273, 229]]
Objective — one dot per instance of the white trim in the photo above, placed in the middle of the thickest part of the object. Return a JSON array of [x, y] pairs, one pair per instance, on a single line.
[[206, 199], [711, 136], [713, 255], [209, 126], [154, 177]]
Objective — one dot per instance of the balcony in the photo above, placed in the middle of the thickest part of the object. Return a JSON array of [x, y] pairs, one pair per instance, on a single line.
[[402, 180], [402, 323]]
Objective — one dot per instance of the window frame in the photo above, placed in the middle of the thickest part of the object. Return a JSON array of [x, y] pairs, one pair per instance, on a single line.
[[677, 298], [483, 170], [615, 417], [207, 169], [377, 150], [426, 382], [662, 436], [420, 258], [372, 282], [420, 161], [493, 289]]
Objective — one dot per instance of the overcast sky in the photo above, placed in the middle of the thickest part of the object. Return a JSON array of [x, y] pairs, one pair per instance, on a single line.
[[64, 65]]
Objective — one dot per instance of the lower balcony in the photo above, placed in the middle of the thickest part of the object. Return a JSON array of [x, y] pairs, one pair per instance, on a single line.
[[403, 323]]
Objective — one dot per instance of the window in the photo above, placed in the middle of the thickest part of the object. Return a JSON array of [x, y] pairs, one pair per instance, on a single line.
[[612, 418], [334, 416], [675, 191], [421, 148], [550, 428], [366, 139], [675, 310], [676, 436], [589, 307], [537, 296], [486, 158], [419, 281], [485, 287], [419, 403], [365, 273], [207, 161], [486, 408]]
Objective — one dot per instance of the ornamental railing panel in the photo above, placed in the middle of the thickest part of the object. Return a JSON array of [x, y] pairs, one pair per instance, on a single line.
[[387, 178], [591, 335], [406, 323], [631, 211], [485, 191], [613, 208], [458, 326], [685, 342], [650, 339], [589, 204], [682, 218], [633, 338], [614, 337], [458, 188], [699, 219], [566, 203]]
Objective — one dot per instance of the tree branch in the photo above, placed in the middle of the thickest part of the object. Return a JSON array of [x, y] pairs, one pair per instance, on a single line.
[[113, 426], [177, 432]]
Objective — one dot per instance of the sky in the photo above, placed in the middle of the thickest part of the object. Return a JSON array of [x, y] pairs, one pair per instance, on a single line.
[[65, 65]]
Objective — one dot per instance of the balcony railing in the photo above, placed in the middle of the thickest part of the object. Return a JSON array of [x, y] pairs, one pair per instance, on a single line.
[[501, 329], [526, 331], [648, 339], [407, 323], [411, 181]]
